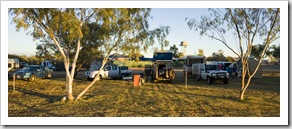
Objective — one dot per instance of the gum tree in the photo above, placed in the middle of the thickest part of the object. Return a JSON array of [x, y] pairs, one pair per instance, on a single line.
[[175, 51], [54, 24], [247, 24], [90, 42], [119, 30], [126, 30]]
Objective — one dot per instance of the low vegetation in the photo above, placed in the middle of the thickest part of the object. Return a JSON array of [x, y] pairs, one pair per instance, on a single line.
[[132, 63], [117, 98]]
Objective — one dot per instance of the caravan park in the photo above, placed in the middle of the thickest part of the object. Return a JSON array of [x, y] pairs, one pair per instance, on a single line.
[[115, 62], [118, 98], [183, 97]]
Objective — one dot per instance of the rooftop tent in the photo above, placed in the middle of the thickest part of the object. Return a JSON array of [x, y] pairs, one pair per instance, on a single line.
[[163, 55], [252, 66]]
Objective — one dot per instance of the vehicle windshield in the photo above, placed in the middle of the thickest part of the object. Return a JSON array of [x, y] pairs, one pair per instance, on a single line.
[[29, 68], [211, 67], [124, 67], [94, 68]]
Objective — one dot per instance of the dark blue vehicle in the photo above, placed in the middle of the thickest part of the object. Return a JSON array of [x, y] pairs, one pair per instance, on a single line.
[[32, 72]]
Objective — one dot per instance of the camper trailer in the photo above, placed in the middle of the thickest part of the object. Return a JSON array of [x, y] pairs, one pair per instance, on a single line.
[[13, 63], [162, 66], [190, 60]]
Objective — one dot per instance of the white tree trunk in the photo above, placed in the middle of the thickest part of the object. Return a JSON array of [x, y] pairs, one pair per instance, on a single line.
[[70, 89]]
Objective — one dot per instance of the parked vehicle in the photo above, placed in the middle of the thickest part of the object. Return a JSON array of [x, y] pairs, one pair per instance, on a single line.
[[190, 60], [210, 72], [222, 64], [162, 67], [162, 70], [13, 63], [22, 64], [48, 64], [32, 72], [109, 71], [233, 69]]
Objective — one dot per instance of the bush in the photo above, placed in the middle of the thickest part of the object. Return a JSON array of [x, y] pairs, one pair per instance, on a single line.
[[177, 64], [140, 65], [133, 63]]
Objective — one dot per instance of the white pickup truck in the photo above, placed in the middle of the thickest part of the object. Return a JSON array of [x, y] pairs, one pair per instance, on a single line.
[[209, 72], [109, 71]]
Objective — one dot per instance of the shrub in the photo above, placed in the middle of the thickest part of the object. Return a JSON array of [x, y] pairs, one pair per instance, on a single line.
[[140, 65]]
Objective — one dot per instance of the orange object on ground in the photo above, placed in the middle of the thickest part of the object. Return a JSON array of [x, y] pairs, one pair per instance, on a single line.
[[136, 80]]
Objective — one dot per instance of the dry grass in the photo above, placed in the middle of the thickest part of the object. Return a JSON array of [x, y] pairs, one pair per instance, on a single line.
[[116, 98]]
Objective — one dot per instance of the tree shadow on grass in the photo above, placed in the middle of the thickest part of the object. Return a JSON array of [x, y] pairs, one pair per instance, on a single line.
[[201, 95], [49, 98], [30, 109], [232, 98]]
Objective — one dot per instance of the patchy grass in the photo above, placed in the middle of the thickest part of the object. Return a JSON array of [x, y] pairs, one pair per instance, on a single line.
[[116, 98]]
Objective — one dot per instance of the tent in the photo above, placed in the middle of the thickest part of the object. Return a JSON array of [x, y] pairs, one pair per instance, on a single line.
[[252, 62]]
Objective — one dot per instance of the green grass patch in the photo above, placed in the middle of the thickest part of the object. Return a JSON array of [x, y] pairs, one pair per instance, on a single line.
[[131, 64], [117, 98]]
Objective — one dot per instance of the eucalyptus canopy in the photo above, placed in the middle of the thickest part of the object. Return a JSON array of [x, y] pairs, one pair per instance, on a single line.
[[247, 25], [89, 31]]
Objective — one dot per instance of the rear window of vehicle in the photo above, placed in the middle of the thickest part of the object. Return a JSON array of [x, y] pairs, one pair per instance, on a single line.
[[124, 68]]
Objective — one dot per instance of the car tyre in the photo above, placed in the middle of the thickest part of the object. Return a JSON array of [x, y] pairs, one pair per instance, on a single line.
[[32, 78], [122, 77], [209, 80], [49, 75], [226, 80], [90, 79], [198, 78], [99, 77]]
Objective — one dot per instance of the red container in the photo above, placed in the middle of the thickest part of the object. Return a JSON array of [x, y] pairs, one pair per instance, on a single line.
[[136, 80]]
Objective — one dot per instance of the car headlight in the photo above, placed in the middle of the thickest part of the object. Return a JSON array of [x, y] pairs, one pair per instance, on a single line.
[[27, 74], [213, 74]]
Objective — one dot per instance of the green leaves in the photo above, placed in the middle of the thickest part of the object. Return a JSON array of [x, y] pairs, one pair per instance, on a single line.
[[160, 35], [175, 51], [107, 29]]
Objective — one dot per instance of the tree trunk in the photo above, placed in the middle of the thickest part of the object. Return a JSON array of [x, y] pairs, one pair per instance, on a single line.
[[69, 88], [90, 84], [241, 96], [84, 91]]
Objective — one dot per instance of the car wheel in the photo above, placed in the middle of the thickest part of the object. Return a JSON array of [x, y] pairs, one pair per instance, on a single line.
[[99, 77], [122, 77], [209, 80], [32, 78], [198, 78], [49, 75], [226, 80], [90, 79]]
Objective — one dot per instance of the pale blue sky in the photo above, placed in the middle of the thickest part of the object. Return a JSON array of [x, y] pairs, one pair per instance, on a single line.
[[22, 44]]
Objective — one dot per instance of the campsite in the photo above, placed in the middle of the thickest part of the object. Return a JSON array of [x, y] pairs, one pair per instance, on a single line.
[[117, 98], [145, 62]]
